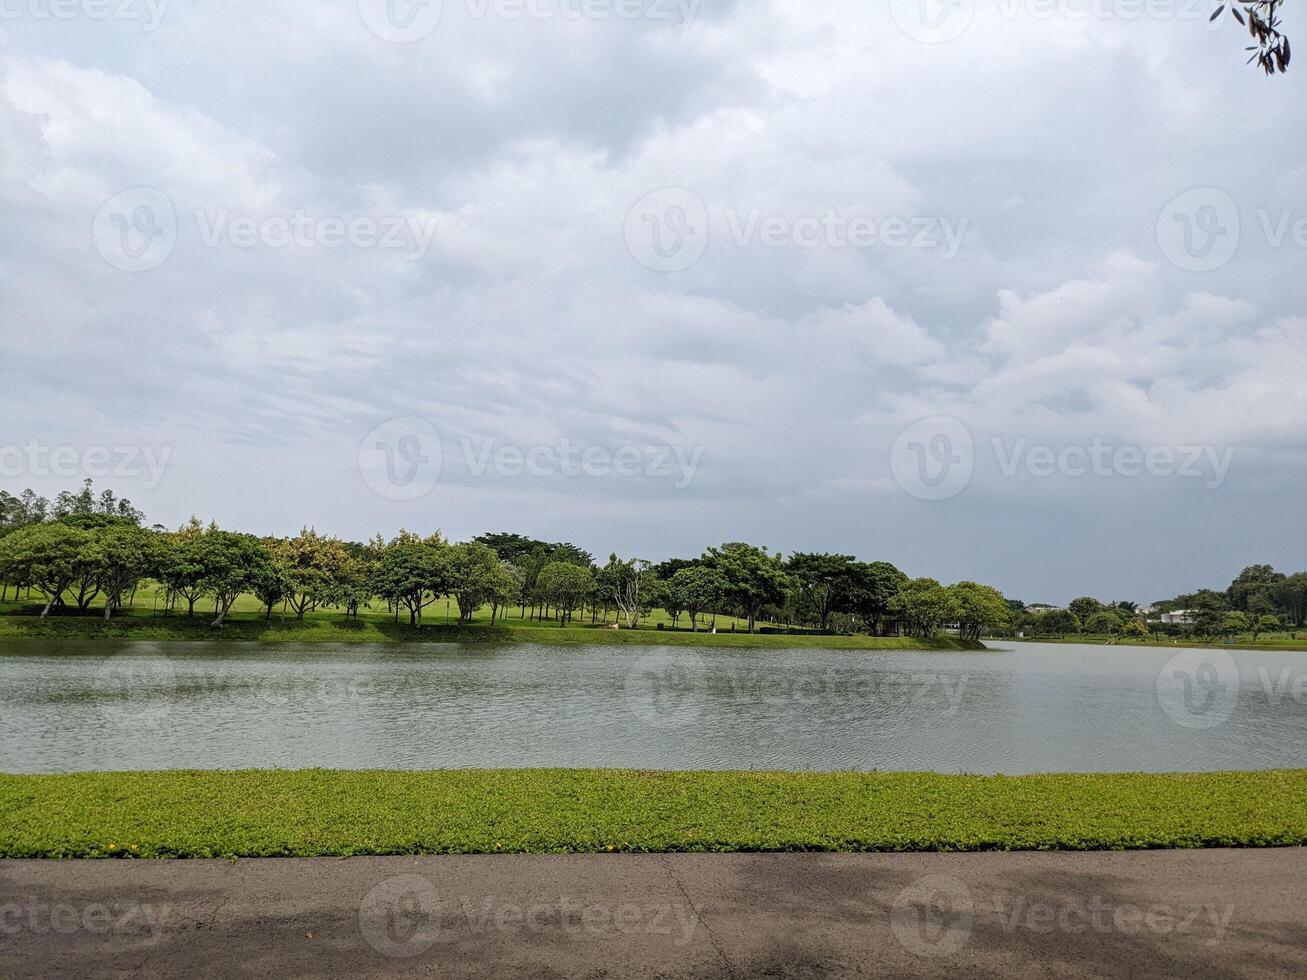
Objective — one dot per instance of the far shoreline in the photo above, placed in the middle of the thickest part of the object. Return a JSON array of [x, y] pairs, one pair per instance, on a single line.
[[376, 630]]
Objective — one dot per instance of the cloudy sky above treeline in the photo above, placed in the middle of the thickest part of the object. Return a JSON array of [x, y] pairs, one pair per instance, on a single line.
[[1004, 291]]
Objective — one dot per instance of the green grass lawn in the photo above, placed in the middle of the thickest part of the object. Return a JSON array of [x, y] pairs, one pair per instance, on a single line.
[[257, 813]]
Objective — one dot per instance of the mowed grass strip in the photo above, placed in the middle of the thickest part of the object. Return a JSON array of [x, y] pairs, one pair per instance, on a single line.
[[335, 629], [258, 813]]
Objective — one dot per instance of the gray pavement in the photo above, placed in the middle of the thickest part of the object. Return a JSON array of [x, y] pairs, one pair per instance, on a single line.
[[1219, 913]]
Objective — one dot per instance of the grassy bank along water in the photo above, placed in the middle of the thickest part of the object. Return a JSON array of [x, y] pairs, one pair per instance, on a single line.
[[257, 813], [376, 629]]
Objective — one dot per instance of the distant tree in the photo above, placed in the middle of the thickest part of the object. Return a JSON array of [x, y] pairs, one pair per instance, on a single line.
[[924, 606], [875, 584], [122, 554], [412, 576], [1057, 622], [825, 582], [507, 587], [1253, 582], [1257, 625], [474, 577], [50, 556], [230, 563], [1084, 607], [313, 563], [1135, 627], [754, 579], [628, 584], [1104, 623], [696, 590], [271, 585], [1207, 610], [1233, 624], [564, 586], [980, 609]]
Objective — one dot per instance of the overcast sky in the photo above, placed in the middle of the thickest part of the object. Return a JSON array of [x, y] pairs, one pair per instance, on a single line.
[[1005, 291]]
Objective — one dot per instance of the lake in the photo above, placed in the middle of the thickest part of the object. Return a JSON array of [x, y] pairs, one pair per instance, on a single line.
[[72, 706]]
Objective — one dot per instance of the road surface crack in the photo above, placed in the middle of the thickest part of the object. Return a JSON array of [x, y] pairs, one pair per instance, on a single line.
[[698, 915]]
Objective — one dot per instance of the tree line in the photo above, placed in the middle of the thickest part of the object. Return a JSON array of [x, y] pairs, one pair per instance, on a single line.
[[1259, 600], [82, 549]]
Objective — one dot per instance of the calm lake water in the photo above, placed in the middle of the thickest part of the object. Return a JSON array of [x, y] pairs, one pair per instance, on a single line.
[[1027, 708]]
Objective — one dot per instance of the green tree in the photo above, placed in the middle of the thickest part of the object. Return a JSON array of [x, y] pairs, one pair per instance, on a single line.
[[50, 556], [1135, 627], [230, 563], [1258, 625], [696, 589], [474, 573], [875, 584], [122, 554], [564, 586], [825, 582], [413, 575], [1233, 624], [1103, 623], [312, 563], [924, 606], [1084, 607], [754, 579], [979, 609]]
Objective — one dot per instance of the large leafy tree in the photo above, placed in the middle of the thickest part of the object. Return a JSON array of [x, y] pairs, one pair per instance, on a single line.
[[474, 571], [875, 584], [230, 564], [924, 606], [696, 590], [825, 582], [980, 609], [754, 579], [50, 556], [121, 555], [564, 586], [313, 563], [413, 575]]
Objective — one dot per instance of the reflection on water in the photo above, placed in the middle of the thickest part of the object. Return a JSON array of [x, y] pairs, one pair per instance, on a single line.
[[1034, 707]]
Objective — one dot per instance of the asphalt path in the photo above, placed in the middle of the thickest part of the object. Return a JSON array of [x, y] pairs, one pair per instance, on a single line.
[[1218, 913]]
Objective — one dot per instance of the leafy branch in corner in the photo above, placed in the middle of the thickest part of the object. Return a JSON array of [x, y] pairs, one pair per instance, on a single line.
[[1262, 18]]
